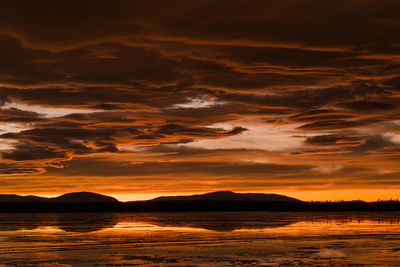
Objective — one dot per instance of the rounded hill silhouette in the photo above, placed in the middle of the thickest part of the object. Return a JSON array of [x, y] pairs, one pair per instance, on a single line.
[[230, 196], [83, 197]]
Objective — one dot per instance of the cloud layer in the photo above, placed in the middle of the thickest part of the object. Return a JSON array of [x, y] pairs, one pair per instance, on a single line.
[[199, 95]]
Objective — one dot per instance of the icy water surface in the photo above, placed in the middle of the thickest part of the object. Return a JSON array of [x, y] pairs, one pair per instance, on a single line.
[[200, 239]]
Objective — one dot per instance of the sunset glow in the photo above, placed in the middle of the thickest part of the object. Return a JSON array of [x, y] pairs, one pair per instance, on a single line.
[[138, 99]]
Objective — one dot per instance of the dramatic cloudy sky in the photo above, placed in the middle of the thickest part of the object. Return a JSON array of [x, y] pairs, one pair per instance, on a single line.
[[142, 98]]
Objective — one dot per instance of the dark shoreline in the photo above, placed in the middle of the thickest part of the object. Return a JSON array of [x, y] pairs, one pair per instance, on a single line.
[[200, 206]]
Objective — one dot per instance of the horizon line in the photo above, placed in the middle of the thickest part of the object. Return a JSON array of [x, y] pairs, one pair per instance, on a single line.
[[123, 197]]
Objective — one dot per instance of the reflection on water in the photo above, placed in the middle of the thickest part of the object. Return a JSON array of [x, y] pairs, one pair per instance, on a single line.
[[214, 221], [69, 222], [200, 239]]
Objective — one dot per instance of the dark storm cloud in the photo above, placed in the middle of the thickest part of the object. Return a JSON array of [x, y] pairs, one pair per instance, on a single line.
[[172, 129], [88, 167], [218, 21], [308, 99], [26, 151], [17, 115], [59, 140], [15, 169], [106, 117], [321, 114], [128, 66], [335, 140], [334, 124], [375, 143], [374, 106], [66, 22]]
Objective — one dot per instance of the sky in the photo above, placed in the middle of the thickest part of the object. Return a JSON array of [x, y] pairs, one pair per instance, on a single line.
[[138, 99]]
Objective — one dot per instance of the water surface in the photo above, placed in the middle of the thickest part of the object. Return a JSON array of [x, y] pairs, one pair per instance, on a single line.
[[200, 239]]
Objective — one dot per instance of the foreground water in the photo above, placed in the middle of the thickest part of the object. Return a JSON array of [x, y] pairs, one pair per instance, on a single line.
[[200, 239]]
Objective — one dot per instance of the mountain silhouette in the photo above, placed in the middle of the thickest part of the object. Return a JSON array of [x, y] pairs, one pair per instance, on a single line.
[[27, 199], [216, 201], [76, 197], [229, 196], [83, 197]]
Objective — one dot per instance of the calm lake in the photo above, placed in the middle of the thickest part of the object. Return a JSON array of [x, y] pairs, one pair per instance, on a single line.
[[200, 239]]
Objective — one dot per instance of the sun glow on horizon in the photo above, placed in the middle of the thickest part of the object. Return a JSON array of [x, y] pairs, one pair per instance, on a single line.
[[315, 195]]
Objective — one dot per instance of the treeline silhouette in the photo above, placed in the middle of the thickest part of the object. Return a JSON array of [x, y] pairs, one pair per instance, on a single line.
[[201, 205]]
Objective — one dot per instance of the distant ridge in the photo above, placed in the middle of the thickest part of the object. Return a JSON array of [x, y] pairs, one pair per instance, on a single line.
[[221, 201], [76, 197], [83, 197], [229, 196], [25, 199]]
